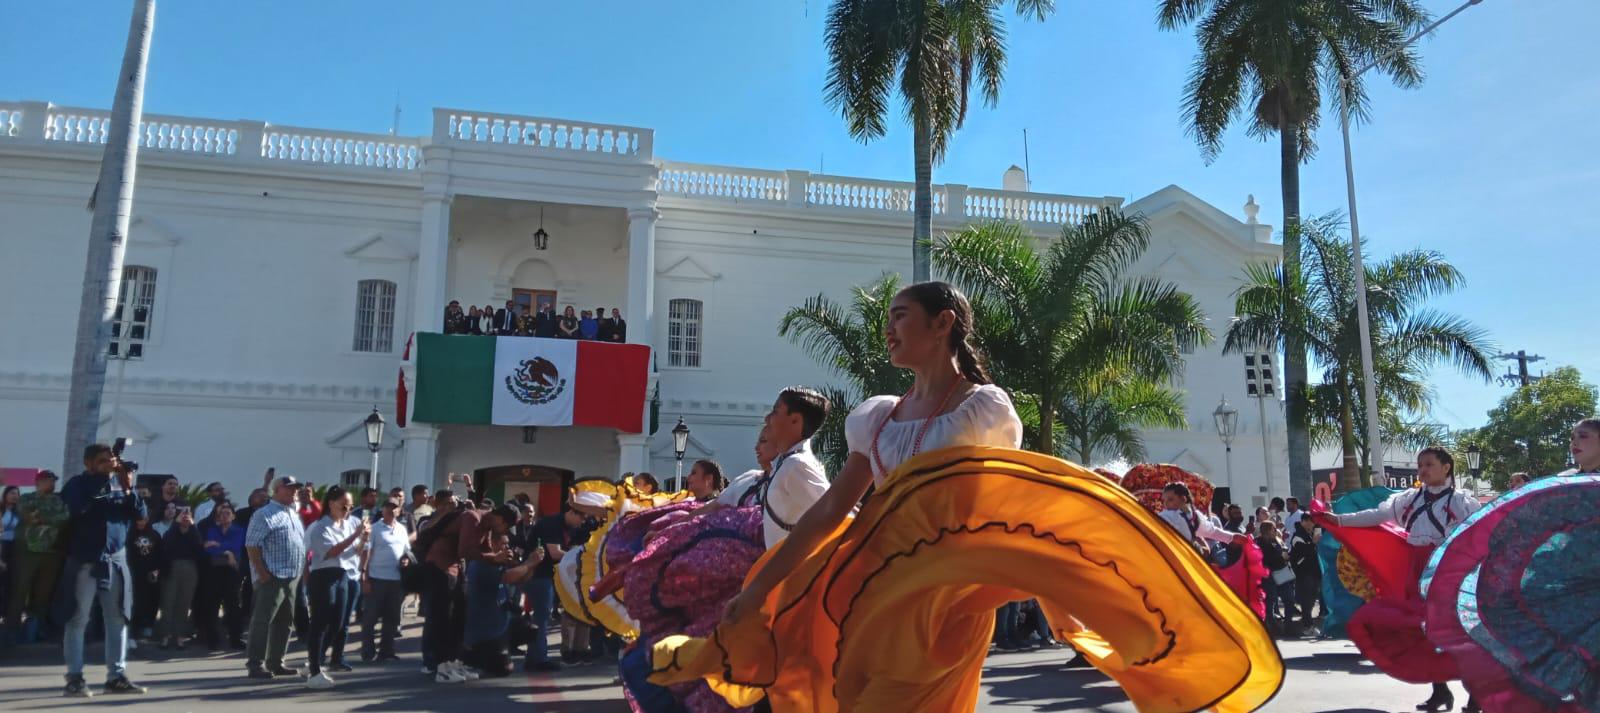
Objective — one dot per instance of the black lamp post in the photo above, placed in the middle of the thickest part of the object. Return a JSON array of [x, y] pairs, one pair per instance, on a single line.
[[680, 443], [541, 239], [374, 424], [1474, 462], [1227, 418]]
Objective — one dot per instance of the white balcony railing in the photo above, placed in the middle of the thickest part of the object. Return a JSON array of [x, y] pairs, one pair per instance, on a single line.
[[549, 134], [256, 141]]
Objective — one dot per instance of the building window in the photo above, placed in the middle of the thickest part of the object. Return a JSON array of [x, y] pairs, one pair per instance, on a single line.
[[354, 480], [130, 324], [683, 332], [374, 316]]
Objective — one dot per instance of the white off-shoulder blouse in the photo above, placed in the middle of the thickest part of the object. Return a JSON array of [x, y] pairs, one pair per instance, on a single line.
[[985, 418]]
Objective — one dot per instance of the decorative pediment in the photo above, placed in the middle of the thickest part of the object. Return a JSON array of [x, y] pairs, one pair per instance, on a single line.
[[695, 450], [153, 233], [689, 269], [1187, 460], [379, 249], [354, 435], [1198, 219], [125, 425]]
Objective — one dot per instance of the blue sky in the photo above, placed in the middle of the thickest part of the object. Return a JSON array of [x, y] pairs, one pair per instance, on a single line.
[[1492, 160]]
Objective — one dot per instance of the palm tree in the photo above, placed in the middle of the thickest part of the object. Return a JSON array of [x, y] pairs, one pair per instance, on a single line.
[[1317, 308], [928, 51], [849, 341], [1105, 419], [112, 203], [1269, 60], [1068, 315]]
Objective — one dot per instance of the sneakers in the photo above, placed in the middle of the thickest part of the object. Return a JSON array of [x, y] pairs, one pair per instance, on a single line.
[[427, 670], [261, 674], [285, 671], [76, 688], [122, 686], [447, 673], [320, 680], [467, 672], [340, 666]]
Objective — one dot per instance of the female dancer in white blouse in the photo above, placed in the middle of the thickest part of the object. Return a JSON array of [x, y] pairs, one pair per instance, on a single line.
[[951, 403]]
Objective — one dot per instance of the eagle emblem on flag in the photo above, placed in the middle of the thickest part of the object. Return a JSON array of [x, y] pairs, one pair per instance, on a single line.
[[536, 381]]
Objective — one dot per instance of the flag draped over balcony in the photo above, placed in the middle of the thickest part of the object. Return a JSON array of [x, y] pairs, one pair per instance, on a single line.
[[530, 381]]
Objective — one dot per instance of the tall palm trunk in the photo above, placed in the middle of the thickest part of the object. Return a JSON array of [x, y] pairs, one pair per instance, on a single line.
[[102, 270], [922, 202], [1294, 357], [1350, 473], [1047, 427]]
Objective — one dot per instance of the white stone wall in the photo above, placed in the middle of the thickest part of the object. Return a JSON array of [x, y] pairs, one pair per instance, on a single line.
[[250, 360]]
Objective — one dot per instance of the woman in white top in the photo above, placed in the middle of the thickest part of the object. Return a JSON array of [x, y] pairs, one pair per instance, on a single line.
[[335, 542], [1427, 515], [894, 610]]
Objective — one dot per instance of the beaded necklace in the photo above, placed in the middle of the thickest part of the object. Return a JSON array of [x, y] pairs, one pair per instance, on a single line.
[[922, 431]]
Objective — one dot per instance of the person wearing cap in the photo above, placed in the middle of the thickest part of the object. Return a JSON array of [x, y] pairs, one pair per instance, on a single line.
[[38, 557], [202, 512], [276, 546], [556, 533], [388, 545]]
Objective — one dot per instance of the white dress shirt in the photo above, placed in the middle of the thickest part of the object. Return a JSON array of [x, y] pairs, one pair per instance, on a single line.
[[1202, 526], [731, 495], [798, 482]]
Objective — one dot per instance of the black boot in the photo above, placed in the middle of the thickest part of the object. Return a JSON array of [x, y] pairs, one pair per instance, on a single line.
[[1440, 702]]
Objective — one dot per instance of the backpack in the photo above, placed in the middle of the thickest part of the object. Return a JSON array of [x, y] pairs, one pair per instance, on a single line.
[[430, 534]]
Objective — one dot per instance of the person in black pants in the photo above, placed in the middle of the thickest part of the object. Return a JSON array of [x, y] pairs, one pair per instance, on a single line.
[[1307, 569], [145, 560], [222, 582]]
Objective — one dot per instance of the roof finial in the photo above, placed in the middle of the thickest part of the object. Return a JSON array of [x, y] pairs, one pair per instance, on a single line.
[[1251, 209]]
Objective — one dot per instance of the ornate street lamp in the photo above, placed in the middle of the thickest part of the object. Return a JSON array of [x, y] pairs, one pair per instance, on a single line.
[[1227, 418], [374, 424], [541, 239], [680, 443], [1474, 462]]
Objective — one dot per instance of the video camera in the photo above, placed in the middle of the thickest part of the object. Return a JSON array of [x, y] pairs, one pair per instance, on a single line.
[[117, 447]]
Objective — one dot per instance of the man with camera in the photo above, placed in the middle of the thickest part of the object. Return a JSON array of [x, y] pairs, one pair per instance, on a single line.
[[103, 505]]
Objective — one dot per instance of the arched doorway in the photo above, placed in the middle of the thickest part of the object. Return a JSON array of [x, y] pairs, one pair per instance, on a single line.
[[544, 485]]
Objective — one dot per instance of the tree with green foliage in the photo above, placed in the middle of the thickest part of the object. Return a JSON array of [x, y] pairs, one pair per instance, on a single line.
[[1103, 419], [1316, 308], [1267, 62], [1065, 325], [1531, 429], [929, 52]]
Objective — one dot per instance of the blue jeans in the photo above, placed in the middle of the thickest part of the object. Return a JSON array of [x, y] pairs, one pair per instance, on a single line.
[[1005, 625], [331, 593], [86, 589], [486, 618], [542, 594]]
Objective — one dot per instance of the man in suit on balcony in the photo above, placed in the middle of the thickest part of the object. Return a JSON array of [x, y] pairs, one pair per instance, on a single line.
[[505, 319]]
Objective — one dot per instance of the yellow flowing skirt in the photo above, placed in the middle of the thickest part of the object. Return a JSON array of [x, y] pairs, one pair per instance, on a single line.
[[895, 610]]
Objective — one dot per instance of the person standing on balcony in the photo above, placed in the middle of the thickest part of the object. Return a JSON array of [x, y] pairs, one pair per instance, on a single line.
[[486, 320], [474, 321], [619, 328], [505, 319], [545, 322], [527, 325], [608, 328], [567, 328], [588, 326]]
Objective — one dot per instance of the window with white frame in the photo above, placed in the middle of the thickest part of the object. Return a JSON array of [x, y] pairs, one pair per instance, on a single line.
[[683, 332], [136, 301], [374, 316]]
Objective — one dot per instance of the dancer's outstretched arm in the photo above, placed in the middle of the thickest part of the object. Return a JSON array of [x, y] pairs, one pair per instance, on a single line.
[[818, 521]]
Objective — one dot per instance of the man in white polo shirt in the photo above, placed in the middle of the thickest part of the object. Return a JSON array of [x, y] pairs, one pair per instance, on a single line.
[[797, 480]]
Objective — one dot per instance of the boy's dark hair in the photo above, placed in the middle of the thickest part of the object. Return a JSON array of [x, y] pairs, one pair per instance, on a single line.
[[1441, 454], [416, 489], [366, 491], [1179, 489], [93, 450], [809, 403], [1276, 504]]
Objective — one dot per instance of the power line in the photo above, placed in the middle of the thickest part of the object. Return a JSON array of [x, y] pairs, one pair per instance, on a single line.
[[1521, 376]]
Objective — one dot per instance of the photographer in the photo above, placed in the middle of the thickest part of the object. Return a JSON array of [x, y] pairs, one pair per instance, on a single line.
[[103, 505], [491, 565]]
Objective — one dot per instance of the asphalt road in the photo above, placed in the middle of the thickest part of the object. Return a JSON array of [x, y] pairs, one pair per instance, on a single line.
[[1324, 677]]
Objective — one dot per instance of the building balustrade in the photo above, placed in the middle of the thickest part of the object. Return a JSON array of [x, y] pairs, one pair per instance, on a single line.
[[246, 141]]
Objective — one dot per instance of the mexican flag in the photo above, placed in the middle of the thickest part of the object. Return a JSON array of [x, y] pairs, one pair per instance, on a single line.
[[529, 381]]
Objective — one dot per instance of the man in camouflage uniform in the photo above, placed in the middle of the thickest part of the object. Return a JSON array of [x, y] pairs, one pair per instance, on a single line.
[[33, 580]]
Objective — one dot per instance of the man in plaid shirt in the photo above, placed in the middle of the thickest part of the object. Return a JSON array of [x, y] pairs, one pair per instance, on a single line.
[[276, 543]]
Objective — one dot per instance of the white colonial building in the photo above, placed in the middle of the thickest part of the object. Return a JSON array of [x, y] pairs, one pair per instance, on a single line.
[[277, 273]]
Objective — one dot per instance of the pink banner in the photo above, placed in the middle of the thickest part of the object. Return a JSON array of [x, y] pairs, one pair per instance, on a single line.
[[21, 477]]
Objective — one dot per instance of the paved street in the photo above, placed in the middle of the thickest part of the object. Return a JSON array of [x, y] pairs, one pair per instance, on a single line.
[[1324, 677]]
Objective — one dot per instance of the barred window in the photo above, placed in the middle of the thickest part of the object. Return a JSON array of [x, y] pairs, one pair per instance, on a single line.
[[683, 332], [374, 316], [136, 300]]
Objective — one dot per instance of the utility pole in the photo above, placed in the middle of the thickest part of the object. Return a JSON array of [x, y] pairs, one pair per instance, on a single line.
[[1523, 359]]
